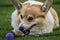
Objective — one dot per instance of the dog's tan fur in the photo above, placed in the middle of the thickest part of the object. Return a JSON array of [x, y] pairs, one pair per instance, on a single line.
[[36, 12], [56, 21]]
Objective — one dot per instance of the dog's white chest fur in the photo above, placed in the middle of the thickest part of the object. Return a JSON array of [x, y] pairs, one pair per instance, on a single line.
[[49, 19]]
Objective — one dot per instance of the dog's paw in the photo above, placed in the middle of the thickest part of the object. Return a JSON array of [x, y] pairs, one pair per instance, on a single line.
[[16, 33]]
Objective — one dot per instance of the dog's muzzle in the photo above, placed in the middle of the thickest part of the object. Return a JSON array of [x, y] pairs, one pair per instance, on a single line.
[[26, 31]]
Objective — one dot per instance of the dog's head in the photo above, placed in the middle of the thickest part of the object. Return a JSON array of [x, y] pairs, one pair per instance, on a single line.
[[32, 15]]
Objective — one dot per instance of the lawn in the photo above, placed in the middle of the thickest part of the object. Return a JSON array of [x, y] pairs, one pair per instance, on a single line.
[[5, 25]]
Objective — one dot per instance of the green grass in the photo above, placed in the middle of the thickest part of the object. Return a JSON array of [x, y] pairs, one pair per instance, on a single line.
[[5, 25]]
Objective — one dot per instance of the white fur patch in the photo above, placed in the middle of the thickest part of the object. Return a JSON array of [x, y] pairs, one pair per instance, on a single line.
[[13, 23], [34, 2], [49, 23]]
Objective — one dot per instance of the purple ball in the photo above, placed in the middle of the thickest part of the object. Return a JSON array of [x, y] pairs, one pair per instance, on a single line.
[[9, 36]]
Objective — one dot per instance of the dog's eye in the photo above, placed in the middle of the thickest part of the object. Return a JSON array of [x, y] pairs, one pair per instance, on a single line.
[[21, 16], [30, 19]]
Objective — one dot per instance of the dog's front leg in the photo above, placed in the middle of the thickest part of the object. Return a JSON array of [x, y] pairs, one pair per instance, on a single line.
[[16, 32]]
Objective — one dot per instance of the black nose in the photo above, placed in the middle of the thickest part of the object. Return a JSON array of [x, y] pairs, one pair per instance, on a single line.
[[21, 28]]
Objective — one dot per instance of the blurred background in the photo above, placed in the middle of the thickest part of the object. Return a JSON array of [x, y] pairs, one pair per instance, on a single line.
[[6, 9], [8, 2]]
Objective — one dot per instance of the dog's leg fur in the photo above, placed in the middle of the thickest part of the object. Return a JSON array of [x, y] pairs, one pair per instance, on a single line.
[[16, 32]]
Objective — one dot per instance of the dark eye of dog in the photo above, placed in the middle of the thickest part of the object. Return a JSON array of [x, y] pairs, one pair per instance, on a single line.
[[21, 16], [30, 19]]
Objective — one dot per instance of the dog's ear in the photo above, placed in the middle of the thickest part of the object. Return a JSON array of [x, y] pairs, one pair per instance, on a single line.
[[46, 6], [17, 4]]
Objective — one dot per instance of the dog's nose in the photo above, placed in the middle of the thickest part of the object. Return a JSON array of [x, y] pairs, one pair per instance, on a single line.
[[21, 28]]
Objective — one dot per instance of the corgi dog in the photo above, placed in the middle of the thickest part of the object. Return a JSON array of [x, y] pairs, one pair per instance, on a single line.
[[34, 18]]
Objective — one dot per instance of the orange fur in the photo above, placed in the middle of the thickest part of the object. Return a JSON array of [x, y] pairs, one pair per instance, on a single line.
[[34, 11], [17, 20]]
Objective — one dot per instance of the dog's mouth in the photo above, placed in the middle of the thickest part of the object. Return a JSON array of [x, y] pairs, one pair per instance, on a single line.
[[27, 31]]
